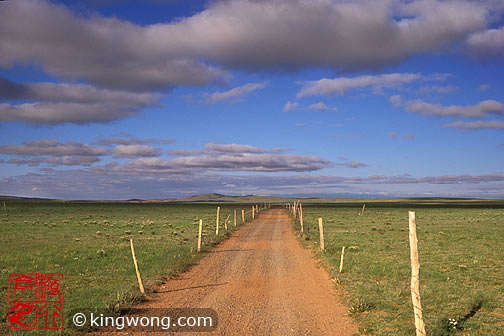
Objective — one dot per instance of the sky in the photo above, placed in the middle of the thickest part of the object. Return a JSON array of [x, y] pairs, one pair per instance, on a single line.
[[112, 99]]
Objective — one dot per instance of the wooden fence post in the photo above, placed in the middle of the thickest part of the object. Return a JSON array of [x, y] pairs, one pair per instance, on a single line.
[[225, 223], [321, 230], [234, 217], [4, 206], [253, 208], [301, 217], [135, 262], [200, 230], [415, 276], [363, 209], [341, 261], [217, 222], [243, 216]]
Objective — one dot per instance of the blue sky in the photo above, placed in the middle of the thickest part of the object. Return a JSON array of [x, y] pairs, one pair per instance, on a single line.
[[113, 100]]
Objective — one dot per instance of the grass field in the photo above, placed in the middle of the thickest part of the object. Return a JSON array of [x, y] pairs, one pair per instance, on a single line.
[[461, 256], [460, 242], [89, 243]]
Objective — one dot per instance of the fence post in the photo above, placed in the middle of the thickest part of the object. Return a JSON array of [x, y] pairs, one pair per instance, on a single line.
[[135, 262], [243, 216], [253, 215], [321, 230], [341, 261], [301, 217], [200, 230], [234, 217], [4, 206], [415, 276], [217, 222], [363, 208], [225, 223]]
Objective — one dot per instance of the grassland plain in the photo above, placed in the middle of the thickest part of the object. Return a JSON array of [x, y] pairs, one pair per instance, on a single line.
[[89, 243], [461, 255]]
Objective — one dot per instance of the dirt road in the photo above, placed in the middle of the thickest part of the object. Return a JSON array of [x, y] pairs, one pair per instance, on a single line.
[[261, 282]]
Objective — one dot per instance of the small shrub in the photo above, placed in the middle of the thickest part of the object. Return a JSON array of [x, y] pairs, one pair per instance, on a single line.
[[361, 306]]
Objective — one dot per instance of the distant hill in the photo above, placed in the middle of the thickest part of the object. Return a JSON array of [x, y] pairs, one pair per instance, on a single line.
[[345, 201], [213, 197], [205, 197], [17, 198], [309, 200]]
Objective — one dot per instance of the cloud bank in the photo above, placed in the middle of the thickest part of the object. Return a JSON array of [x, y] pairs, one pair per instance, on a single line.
[[232, 34], [54, 103], [230, 158], [122, 67], [95, 182]]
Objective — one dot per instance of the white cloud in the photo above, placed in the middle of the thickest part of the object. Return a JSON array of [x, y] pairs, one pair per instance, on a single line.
[[477, 125], [52, 147], [235, 94], [482, 109], [487, 43], [353, 164], [183, 152], [58, 113], [347, 35], [290, 106], [73, 160], [79, 93], [320, 106], [53, 152], [134, 151], [52, 103], [230, 157], [104, 51], [235, 34], [396, 100], [340, 85], [57, 161]]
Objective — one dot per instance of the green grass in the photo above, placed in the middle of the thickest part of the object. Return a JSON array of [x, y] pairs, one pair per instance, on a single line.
[[89, 243], [461, 256]]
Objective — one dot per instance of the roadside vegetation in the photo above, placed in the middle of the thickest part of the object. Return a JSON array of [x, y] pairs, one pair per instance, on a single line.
[[89, 243], [461, 256]]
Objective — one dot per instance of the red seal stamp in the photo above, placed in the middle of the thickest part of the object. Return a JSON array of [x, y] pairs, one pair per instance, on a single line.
[[36, 301]]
